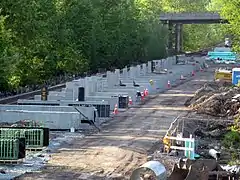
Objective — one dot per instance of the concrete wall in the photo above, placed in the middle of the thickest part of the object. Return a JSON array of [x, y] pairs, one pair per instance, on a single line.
[[52, 120], [111, 100], [58, 117], [107, 87]]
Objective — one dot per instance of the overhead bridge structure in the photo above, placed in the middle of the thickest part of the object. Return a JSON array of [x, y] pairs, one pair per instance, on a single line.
[[175, 23]]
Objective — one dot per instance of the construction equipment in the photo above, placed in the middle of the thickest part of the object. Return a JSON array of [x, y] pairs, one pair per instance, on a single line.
[[149, 171], [223, 75], [185, 169], [202, 169]]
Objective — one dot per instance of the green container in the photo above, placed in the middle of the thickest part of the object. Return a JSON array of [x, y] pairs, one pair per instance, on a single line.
[[34, 137], [9, 149]]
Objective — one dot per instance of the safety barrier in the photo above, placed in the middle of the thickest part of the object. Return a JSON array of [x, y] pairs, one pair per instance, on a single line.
[[12, 149], [222, 54], [188, 148], [231, 56]]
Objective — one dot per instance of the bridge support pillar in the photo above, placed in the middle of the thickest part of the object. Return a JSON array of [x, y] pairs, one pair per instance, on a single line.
[[178, 38], [170, 38]]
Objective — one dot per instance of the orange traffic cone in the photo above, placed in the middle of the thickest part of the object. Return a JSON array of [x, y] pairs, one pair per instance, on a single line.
[[146, 92], [130, 102], [193, 73], [115, 111], [168, 84]]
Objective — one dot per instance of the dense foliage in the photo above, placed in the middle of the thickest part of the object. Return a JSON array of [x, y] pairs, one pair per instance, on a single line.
[[231, 142], [231, 11], [46, 38]]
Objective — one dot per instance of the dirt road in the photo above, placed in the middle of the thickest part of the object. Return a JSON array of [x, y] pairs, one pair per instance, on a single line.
[[125, 142]]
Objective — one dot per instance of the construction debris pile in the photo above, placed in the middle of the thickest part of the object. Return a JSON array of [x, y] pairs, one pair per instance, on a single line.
[[21, 123], [202, 169], [217, 99]]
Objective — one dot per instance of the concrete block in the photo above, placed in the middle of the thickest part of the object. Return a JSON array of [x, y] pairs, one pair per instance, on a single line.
[[53, 117], [115, 93], [149, 68], [138, 70], [111, 79], [160, 80], [125, 72], [111, 100], [117, 72], [133, 72], [37, 97], [87, 103], [144, 70], [56, 97], [101, 85]]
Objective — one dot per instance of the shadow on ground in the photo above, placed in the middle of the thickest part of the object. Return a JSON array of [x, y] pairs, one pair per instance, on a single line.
[[65, 173]]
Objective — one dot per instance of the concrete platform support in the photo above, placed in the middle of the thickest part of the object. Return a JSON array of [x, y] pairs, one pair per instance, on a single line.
[[178, 38]]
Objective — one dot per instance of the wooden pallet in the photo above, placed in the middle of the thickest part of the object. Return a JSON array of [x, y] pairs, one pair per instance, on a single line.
[[35, 149], [12, 162]]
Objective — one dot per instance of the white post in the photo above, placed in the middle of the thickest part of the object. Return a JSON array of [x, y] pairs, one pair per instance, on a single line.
[[138, 70], [144, 69], [73, 93], [132, 72], [117, 72], [149, 67], [125, 73], [109, 79]]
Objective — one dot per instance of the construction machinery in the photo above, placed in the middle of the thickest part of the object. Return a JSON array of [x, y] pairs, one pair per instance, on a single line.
[[223, 75], [201, 169], [185, 169]]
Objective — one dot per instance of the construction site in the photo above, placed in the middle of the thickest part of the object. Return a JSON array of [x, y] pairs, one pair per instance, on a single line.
[[165, 120]]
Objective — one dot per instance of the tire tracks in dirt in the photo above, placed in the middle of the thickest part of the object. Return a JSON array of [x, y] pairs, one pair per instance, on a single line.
[[125, 142]]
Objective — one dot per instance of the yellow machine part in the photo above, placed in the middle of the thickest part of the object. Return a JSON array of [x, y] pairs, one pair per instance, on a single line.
[[226, 76], [167, 144], [151, 82], [166, 141]]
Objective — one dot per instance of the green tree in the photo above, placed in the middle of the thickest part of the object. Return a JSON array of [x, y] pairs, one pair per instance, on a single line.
[[6, 53], [231, 11], [45, 38], [196, 36]]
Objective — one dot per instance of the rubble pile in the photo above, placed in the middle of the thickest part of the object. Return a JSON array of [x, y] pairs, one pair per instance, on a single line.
[[216, 99], [21, 123]]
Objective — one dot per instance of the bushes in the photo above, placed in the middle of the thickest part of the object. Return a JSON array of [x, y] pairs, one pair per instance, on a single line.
[[231, 142]]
